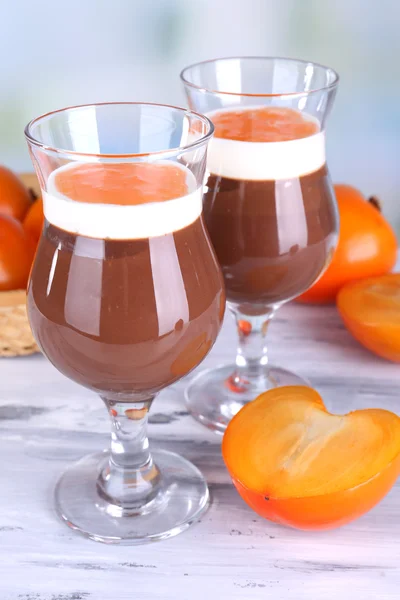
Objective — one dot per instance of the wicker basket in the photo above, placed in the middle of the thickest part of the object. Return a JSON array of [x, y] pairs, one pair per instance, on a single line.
[[16, 338]]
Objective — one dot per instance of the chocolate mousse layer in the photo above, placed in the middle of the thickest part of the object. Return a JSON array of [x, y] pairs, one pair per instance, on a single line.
[[272, 238], [126, 316]]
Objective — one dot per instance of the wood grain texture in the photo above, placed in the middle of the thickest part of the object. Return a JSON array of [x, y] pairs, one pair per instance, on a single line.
[[47, 421]]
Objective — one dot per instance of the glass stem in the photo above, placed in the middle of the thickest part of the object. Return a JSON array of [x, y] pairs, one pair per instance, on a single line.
[[129, 479], [252, 353]]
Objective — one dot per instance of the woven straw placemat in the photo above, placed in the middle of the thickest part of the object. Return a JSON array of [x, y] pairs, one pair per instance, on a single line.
[[16, 338]]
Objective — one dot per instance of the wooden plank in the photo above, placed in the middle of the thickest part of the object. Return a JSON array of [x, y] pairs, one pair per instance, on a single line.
[[47, 421]]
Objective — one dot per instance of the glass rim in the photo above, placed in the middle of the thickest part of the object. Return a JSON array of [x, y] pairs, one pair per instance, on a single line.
[[168, 151], [299, 61]]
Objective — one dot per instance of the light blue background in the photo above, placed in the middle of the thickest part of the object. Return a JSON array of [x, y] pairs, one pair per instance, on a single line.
[[56, 53]]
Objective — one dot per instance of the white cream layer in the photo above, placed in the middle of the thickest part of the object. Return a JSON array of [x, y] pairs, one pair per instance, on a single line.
[[116, 222], [265, 161]]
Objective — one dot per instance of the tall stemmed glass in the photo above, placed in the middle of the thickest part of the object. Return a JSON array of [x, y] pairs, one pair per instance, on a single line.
[[268, 205], [125, 298]]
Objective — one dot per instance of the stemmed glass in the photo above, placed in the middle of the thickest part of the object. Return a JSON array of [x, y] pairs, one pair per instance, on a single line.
[[268, 205], [125, 298]]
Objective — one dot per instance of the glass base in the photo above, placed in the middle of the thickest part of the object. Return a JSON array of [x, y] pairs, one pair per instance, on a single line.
[[182, 498], [213, 399]]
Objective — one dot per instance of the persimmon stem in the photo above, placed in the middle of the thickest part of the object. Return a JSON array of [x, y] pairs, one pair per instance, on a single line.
[[376, 203]]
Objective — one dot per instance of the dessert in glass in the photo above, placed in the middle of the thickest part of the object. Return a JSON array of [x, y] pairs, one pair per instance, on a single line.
[[125, 298], [268, 205]]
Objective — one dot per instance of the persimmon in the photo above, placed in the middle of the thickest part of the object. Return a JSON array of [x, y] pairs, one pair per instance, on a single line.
[[15, 198], [367, 246], [16, 254], [370, 309], [296, 464], [33, 222]]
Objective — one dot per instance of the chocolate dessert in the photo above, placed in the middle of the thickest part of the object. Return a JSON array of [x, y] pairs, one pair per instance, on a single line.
[[272, 238], [270, 212], [125, 315]]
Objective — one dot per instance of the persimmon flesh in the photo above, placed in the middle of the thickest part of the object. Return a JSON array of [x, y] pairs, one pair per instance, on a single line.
[[370, 310], [296, 464]]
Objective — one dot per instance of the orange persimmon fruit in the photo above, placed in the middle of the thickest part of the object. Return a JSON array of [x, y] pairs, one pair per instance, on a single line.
[[15, 198], [16, 254], [296, 464], [33, 222], [367, 246], [370, 309]]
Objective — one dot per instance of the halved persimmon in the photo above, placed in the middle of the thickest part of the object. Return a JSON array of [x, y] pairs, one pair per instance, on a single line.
[[296, 464], [370, 309]]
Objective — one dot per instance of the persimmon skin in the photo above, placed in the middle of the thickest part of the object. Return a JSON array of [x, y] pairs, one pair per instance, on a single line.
[[383, 341], [380, 336], [17, 250], [34, 219], [367, 247], [328, 511], [15, 198]]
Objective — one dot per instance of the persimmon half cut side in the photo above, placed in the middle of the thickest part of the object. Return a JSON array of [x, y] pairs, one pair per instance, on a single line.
[[370, 309], [296, 464]]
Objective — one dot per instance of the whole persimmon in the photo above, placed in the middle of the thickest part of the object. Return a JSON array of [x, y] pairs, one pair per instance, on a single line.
[[15, 198], [16, 254], [370, 309], [298, 465], [33, 222], [367, 246]]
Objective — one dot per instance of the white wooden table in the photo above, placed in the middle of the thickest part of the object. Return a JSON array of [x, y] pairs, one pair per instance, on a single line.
[[47, 421]]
